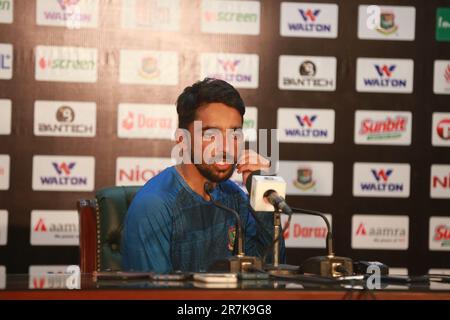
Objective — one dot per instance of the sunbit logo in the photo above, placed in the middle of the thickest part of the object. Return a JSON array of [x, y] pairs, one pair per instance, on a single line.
[[306, 123], [310, 23], [390, 128], [385, 77], [442, 234]]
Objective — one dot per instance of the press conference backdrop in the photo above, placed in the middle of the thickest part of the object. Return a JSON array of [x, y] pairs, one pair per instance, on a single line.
[[360, 96]]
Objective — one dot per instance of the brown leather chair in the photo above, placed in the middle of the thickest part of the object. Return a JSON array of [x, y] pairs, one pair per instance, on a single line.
[[101, 224]]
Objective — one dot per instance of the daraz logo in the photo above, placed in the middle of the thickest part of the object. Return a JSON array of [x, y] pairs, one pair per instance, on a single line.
[[309, 14], [381, 174], [306, 120], [385, 70], [63, 167]]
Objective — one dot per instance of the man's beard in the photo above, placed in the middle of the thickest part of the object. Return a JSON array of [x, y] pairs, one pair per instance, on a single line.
[[209, 172]]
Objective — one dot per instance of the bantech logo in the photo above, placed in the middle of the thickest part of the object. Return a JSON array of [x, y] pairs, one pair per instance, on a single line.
[[66, 64], [54, 227], [70, 13], [381, 180], [241, 70], [384, 75], [306, 125], [380, 232], [63, 173], [309, 20], [232, 17], [65, 118], [312, 73], [383, 127]]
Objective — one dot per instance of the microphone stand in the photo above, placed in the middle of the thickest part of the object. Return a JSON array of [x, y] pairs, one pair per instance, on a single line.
[[329, 265], [239, 262], [276, 268]]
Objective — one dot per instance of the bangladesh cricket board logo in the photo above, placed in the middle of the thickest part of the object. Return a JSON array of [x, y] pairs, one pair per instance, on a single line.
[[304, 179]]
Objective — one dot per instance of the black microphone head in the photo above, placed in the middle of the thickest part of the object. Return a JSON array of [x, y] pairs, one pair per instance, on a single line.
[[248, 183], [208, 187]]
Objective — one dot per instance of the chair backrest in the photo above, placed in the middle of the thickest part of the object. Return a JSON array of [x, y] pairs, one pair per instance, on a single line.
[[101, 226]]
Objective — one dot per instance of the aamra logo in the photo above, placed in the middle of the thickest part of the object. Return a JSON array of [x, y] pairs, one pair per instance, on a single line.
[[304, 179], [40, 226], [149, 68], [387, 23], [361, 231]]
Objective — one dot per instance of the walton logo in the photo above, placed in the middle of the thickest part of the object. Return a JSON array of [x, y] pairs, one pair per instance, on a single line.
[[443, 129], [385, 70], [230, 71], [306, 122], [381, 177], [309, 14], [64, 4], [229, 65], [310, 22], [381, 174], [63, 167], [40, 226], [384, 129], [385, 79]]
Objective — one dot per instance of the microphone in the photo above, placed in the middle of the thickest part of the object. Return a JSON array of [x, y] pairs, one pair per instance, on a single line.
[[267, 191], [240, 262], [270, 189]]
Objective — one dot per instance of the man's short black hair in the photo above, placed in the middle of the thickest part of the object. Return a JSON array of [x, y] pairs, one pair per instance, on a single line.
[[203, 92]]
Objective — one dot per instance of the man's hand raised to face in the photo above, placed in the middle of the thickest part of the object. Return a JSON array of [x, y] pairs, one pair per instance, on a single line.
[[251, 161]]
